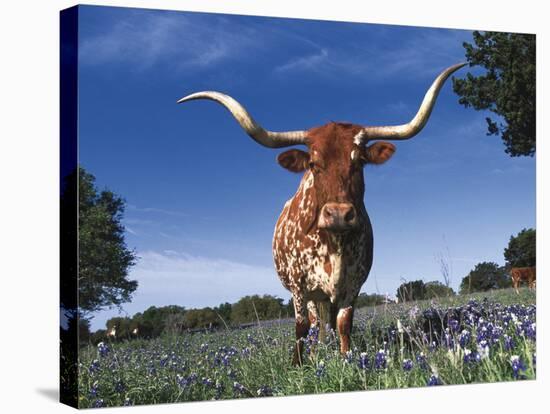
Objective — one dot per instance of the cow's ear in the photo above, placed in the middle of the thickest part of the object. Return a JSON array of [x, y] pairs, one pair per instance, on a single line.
[[294, 160], [378, 153]]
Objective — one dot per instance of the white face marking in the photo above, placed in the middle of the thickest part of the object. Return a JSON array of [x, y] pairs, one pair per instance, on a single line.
[[353, 155]]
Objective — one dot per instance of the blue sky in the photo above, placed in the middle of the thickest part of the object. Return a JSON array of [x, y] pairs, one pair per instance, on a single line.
[[203, 198]]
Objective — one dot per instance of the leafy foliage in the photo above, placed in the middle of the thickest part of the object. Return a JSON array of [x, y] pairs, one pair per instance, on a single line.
[[485, 276], [415, 290], [251, 308], [104, 259], [437, 289], [522, 249], [365, 299], [508, 87]]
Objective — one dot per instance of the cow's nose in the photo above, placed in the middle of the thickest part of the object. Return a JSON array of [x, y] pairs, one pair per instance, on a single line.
[[338, 217]]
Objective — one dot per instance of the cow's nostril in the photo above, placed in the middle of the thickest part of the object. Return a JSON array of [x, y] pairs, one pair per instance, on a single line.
[[350, 215], [327, 212]]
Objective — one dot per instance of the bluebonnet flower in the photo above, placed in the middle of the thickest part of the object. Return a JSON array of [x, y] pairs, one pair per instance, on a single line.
[[226, 361], [363, 361], [219, 389], [312, 338], [264, 391], [203, 348], [380, 359], [421, 361], [94, 367], [99, 403], [449, 340], [208, 382], [531, 331], [432, 346], [483, 349], [320, 369], [245, 352], [413, 312], [128, 402], [119, 387], [349, 357], [470, 357], [454, 325], [238, 388], [94, 389], [186, 381], [407, 365], [434, 380], [464, 338], [251, 339], [102, 349], [517, 366], [509, 343]]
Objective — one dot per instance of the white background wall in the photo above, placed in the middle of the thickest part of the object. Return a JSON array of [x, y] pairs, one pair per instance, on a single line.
[[29, 157]]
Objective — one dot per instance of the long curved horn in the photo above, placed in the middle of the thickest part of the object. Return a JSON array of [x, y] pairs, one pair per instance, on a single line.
[[261, 136], [409, 130]]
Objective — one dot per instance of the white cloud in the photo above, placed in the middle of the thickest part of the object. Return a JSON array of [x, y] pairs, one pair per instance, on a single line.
[[178, 278], [419, 55], [145, 39], [312, 61]]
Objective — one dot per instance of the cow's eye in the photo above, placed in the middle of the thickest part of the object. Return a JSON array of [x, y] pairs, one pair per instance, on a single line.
[[311, 165]]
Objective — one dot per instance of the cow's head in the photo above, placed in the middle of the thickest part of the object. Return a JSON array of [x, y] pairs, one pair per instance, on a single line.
[[336, 153], [336, 163]]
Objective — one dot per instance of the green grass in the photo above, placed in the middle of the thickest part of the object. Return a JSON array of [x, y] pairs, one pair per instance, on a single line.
[[256, 361]]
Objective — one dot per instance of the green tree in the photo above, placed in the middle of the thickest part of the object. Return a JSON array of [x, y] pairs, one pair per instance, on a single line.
[[224, 312], [408, 291], [437, 289], [251, 308], [364, 299], [507, 87], [122, 327], [201, 318], [104, 259], [522, 249], [156, 320], [485, 276]]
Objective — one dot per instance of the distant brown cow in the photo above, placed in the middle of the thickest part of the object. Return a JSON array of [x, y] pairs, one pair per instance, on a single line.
[[323, 242], [528, 274]]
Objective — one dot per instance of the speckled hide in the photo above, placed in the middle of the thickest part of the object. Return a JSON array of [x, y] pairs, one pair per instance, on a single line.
[[323, 242]]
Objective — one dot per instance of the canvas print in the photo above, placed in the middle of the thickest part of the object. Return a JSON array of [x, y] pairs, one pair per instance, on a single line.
[[259, 207]]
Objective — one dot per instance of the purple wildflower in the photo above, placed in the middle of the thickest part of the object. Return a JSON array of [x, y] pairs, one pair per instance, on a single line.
[[363, 361], [99, 403], [380, 359], [517, 366], [407, 365], [421, 360], [434, 380], [103, 349], [264, 391], [320, 369], [471, 357], [239, 388]]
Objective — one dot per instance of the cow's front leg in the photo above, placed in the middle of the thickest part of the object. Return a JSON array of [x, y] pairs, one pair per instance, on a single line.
[[344, 322], [302, 328]]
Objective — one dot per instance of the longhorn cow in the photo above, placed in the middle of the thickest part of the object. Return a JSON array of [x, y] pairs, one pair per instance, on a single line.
[[323, 241]]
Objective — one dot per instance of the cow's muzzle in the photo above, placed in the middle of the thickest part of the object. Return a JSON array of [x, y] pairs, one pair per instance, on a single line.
[[338, 217]]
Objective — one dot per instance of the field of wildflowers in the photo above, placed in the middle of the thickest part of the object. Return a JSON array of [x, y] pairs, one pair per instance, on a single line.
[[476, 338]]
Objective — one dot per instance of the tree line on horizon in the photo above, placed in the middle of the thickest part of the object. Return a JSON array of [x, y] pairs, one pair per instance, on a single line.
[[520, 252]]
